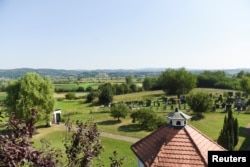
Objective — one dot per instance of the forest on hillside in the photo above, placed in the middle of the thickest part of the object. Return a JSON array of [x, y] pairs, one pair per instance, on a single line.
[[79, 74]]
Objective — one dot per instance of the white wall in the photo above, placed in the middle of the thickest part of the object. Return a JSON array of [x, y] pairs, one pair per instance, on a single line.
[[174, 122], [140, 164]]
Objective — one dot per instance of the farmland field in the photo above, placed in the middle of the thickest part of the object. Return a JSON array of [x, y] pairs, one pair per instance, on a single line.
[[76, 85]]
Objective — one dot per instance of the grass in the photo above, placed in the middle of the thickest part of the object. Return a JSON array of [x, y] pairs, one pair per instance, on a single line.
[[139, 96], [212, 124], [2, 95], [74, 86], [56, 137]]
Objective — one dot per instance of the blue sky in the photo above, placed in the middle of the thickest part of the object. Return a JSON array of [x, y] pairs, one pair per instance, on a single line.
[[124, 34]]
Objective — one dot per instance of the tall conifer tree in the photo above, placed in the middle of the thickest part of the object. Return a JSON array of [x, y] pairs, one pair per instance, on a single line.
[[229, 134]]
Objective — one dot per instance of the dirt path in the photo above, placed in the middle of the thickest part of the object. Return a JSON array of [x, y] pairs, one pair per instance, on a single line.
[[119, 137], [104, 134], [45, 131]]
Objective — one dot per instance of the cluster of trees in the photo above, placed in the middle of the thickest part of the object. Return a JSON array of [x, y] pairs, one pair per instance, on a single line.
[[72, 89], [29, 99], [106, 91], [217, 79], [82, 145], [16, 148], [180, 81], [172, 81], [146, 118]]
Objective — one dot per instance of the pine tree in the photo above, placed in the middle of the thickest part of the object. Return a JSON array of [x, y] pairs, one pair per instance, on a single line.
[[229, 134], [236, 131]]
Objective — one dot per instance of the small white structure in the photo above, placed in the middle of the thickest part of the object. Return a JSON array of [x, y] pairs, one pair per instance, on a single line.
[[178, 118], [57, 116]]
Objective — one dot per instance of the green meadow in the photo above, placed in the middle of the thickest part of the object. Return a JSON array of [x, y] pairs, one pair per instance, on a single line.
[[211, 123], [56, 138]]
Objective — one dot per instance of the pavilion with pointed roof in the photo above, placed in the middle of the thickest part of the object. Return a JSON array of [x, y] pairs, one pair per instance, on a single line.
[[176, 144]]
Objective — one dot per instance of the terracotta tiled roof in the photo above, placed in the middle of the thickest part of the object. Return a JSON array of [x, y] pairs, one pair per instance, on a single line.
[[170, 146]]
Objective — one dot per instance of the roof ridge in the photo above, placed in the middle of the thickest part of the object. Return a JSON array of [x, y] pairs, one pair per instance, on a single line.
[[196, 147], [145, 138], [206, 137]]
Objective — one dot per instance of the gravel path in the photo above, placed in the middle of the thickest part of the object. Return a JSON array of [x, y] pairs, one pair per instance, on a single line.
[[119, 137], [109, 135]]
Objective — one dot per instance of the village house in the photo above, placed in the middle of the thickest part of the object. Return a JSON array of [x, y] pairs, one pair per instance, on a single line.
[[176, 144]]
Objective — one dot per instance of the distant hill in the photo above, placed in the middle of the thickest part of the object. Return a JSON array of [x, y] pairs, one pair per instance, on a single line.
[[60, 73]]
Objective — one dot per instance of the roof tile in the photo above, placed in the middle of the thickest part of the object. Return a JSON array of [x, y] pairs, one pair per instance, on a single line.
[[169, 146]]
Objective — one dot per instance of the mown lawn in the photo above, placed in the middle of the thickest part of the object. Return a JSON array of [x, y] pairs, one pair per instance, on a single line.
[[210, 125], [123, 148], [2, 95]]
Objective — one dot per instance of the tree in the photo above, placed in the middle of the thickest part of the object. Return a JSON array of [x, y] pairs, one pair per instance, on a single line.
[[240, 74], [245, 84], [229, 134], [129, 79], [147, 119], [124, 88], [208, 79], [106, 93], [16, 148], [91, 96], [147, 83], [119, 111], [80, 89], [177, 81], [133, 87], [115, 161], [89, 88], [84, 145], [70, 96], [31, 92], [200, 102]]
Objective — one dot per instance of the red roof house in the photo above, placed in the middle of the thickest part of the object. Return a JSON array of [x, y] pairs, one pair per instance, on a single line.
[[174, 145]]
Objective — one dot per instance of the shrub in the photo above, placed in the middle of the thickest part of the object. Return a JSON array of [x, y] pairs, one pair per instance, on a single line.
[[91, 96], [70, 96]]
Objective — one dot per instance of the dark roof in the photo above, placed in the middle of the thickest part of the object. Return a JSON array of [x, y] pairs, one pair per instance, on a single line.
[[177, 114], [170, 146]]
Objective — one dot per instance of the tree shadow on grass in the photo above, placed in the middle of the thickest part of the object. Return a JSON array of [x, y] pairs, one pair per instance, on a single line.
[[42, 126], [130, 128], [197, 117], [99, 112], [109, 122], [245, 132]]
